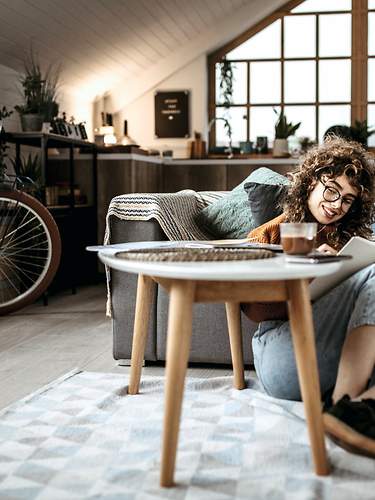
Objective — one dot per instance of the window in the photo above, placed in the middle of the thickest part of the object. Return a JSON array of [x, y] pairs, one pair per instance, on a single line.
[[302, 62], [371, 71]]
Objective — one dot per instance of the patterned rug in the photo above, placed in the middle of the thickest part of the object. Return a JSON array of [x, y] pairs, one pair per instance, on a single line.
[[83, 437]]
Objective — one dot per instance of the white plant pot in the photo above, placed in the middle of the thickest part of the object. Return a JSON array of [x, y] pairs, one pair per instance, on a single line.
[[280, 148]]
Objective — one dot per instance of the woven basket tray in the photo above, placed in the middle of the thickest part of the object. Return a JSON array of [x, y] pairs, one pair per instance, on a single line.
[[195, 254]]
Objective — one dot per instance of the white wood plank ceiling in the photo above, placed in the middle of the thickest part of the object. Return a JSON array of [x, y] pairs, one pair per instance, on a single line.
[[101, 43]]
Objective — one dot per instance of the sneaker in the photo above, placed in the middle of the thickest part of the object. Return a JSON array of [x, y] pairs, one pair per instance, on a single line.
[[351, 425]]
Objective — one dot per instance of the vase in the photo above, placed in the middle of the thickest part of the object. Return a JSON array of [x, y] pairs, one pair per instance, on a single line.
[[32, 122], [280, 148]]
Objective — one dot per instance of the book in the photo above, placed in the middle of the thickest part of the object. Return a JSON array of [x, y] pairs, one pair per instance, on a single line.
[[316, 258], [363, 253]]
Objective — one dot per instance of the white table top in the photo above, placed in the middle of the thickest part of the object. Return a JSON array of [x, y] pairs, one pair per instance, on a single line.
[[275, 268]]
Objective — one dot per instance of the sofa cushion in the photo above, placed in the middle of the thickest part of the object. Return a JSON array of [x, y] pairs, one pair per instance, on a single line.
[[265, 199], [231, 216]]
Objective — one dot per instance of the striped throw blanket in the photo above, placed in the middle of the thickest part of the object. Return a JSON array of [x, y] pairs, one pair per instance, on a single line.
[[175, 212]]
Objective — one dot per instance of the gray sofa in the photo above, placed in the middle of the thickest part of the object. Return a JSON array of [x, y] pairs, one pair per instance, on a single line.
[[250, 204], [210, 342]]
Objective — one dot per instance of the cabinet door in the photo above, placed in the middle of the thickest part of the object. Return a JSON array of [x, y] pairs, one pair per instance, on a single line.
[[198, 177], [77, 230], [117, 177], [237, 173]]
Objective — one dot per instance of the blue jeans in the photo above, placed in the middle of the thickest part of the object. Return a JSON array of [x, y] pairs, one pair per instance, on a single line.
[[349, 305]]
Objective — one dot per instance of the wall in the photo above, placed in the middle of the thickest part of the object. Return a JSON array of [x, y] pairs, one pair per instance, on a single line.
[[183, 68], [140, 113], [10, 94]]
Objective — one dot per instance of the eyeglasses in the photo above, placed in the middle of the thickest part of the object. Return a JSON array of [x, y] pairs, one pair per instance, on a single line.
[[331, 194]]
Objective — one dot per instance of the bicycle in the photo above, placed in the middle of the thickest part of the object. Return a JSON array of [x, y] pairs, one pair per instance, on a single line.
[[30, 246]]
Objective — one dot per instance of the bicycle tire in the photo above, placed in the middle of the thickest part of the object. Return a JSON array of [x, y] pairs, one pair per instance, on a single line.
[[18, 207]]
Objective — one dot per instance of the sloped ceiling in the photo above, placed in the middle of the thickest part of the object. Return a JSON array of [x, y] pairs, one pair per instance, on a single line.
[[104, 45]]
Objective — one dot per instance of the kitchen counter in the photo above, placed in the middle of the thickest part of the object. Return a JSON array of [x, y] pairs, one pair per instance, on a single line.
[[253, 160]]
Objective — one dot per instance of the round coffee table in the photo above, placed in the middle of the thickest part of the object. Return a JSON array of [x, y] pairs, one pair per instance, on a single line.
[[263, 280]]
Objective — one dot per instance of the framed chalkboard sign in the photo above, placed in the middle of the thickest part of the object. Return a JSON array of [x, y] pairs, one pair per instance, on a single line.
[[172, 114]]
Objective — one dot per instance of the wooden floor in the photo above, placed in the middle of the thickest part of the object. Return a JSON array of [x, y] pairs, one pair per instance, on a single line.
[[41, 343]]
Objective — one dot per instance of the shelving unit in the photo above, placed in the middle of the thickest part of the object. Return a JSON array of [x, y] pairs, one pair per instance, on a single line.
[[77, 222]]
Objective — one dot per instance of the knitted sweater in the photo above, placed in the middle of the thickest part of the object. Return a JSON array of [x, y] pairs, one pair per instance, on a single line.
[[270, 233]]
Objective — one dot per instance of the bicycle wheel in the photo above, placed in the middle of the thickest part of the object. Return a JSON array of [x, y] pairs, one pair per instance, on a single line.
[[30, 250]]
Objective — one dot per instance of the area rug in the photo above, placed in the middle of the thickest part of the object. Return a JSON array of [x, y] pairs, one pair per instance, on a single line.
[[83, 437]]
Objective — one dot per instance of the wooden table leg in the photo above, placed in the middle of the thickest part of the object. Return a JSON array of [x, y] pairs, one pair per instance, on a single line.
[[235, 338], [145, 290], [178, 347], [302, 328]]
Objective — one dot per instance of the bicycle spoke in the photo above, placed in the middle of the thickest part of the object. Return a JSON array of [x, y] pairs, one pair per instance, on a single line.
[[21, 272], [29, 247], [17, 208], [18, 228], [28, 239], [29, 264], [9, 280], [27, 255], [18, 231]]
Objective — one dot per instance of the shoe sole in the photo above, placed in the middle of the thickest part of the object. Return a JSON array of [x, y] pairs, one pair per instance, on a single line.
[[347, 438]]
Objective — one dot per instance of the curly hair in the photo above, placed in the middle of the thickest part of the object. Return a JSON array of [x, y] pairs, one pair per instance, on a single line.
[[334, 158]]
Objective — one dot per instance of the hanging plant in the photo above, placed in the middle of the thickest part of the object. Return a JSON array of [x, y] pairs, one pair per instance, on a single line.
[[226, 93], [226, 82]]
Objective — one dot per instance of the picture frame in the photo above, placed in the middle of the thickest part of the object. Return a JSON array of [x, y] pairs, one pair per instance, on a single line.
[[61, 127], [172, 111], [83, 132]]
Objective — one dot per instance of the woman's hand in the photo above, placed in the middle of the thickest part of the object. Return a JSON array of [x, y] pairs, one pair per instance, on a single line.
[[326, 249]]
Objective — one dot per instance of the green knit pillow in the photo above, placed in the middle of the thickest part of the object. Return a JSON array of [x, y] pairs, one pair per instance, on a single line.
[[231, 217]]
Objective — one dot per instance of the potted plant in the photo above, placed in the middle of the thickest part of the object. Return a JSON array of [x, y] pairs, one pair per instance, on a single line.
[[4, 113], [39, 93], [283, 130], [31, 169], [361, 132]]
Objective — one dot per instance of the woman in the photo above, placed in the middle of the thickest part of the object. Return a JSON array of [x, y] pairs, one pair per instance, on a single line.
[[335, 187]]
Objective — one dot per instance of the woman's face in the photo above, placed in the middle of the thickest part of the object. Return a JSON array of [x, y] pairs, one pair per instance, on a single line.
[[331, 199]]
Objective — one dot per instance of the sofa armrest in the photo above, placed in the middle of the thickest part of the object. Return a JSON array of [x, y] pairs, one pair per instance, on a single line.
[[123, 289]]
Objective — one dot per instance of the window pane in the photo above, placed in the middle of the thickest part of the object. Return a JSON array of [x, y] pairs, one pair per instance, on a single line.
[[335, 36], [299, 36], [371, 80], [371, 123], [332, 115], [239, 95], [264, 45], [334, 81], [371, 4], [265, 82], [371, 35], [305, 115], [238, 121], [262, 122], [299, 81], [324, 5]]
